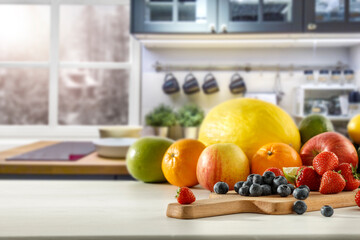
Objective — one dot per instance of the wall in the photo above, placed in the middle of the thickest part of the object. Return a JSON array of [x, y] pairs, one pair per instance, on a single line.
[[152, 81]]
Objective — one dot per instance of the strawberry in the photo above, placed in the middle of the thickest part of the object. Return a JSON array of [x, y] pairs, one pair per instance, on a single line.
[[349, 173], [275, 170], [307, 176], [325, 161], [185, 195], [332, 182], [357, 198]]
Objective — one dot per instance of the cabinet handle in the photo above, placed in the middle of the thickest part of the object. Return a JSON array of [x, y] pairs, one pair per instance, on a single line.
[[311, 26], [212, 28], [224, 28]]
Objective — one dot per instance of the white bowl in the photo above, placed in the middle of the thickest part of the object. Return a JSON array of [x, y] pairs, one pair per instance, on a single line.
[[113, 147]]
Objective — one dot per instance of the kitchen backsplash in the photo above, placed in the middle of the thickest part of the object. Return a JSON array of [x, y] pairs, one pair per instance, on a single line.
[[152, 94]]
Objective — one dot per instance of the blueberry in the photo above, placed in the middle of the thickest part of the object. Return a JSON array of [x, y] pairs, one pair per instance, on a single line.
[[238, 185], [277, 182], [284, 190], [305, 186], [301, 193], [266, 190], [280, 180], [247, 183], [250, 178], [327, 211], [268, 177], [299, 207], [221, 187], [292, 187], [244, 191], [257, 179], [255, 190]]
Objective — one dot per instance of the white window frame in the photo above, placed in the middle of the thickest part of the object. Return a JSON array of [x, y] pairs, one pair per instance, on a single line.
[[53, 129]]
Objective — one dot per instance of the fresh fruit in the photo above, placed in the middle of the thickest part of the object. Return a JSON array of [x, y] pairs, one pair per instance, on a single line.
[[292, 187], [325, 161], [277, 171], [349, 174], [277, 182], [277, 155], [185, 195], [299, 207], [257, 179], [244, 191], [238, 185], [304, 186], [144, 157], [327, 211], [255, 190], [353, 128], [250, 178], [268, 177], [332, 182], [224, 162], [221, 188], [284, 190], [247, 183], [290, 173], [307, 176], [180, 162], [332, 142], [250, 124], [313, 125], [266, 190], [301, 193], [357, 198]]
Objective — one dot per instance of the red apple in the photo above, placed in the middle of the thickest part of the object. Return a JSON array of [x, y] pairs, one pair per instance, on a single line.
[[224, 162], [329, 141]]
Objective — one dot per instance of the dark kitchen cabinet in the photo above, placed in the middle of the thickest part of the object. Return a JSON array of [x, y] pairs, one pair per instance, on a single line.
[[332, 16], [260, 16], [173, 16]]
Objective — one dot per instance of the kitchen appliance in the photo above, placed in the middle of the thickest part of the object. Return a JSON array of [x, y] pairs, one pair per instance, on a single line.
[[232, 202], [113, 147], [191, 84], [210, 85], [237, 84], [170, 84]]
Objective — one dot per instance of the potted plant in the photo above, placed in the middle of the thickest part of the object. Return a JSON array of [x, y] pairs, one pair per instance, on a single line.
[[190, 117], [161, 118]]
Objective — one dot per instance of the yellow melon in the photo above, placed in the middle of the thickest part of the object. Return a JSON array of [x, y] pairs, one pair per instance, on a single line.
[[250, 124]]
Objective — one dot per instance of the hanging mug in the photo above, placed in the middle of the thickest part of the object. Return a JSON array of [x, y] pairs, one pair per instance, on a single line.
[[210, 85], [237, 84], [170, 85], [191, 85]]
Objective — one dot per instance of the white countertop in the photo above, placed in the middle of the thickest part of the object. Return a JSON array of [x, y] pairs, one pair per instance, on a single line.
[[129, 209]]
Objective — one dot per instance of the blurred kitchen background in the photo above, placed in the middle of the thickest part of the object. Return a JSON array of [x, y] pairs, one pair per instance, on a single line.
[[68, 67]]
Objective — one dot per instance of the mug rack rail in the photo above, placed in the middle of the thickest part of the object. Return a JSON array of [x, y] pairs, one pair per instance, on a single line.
[[160, 67]]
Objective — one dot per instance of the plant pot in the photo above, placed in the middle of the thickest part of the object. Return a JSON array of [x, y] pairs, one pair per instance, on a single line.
[[190, 132], [161, 131]]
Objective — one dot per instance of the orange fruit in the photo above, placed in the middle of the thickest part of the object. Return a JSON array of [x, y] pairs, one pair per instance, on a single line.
[[277, 155], [180, 161]]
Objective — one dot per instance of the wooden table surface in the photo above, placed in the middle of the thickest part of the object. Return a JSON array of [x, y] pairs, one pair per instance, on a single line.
[[89, 165]]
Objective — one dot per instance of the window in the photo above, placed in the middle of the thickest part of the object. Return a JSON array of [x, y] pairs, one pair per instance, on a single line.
[[66, 64]]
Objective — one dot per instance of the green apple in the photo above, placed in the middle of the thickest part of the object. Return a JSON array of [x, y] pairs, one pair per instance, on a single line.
[[144, 157]]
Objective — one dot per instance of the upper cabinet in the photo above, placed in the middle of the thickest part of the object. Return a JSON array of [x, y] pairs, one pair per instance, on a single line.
[[173, 16], [260, 16], [245, 16], [332, 16]]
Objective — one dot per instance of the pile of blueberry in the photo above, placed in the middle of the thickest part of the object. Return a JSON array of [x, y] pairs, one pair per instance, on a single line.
[[268, 184]]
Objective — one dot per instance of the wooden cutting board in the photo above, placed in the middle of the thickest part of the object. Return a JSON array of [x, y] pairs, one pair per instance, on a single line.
[[230, 203]]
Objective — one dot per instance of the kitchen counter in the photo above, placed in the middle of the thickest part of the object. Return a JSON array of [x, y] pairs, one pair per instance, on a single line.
[[130, 209], [91, 164]]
